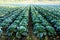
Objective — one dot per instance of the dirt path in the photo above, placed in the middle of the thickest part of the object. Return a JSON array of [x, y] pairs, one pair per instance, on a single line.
[[30, 27]]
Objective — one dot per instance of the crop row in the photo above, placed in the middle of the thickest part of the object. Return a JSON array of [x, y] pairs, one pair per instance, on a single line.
[[15, 23]]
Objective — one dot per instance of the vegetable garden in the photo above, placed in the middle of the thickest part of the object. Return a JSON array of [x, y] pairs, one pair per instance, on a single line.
[[31, 22]]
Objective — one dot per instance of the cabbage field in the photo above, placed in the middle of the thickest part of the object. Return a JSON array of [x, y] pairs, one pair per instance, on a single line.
[[31, 22]]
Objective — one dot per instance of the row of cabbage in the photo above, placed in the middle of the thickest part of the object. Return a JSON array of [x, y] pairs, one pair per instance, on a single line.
[[53, 10], [42, 27], [7, 12], [51, 18], [16, 24]]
